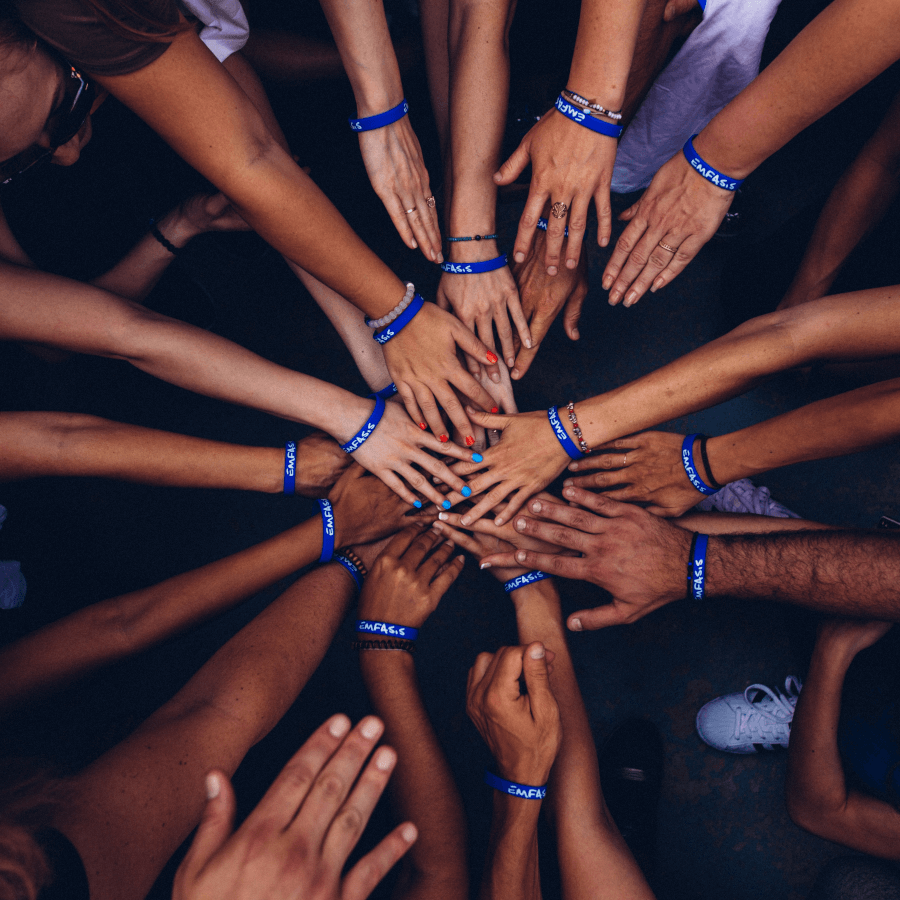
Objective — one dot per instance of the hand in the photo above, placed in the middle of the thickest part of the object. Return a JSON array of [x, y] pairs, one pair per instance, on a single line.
[[647, 468], [393, 159], [676, 8], [569, 164], [423, 363], [680, 208], [502, 394], [543, 296], [296, 842], [409, 578], [211, 212], [320, 461], [522, 730], [636, 556], [481, 301], [849, 636]]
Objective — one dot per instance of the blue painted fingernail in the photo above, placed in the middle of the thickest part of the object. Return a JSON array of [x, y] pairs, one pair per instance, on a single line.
[[466, 491], [446, 504], [417, 504], [476, 457]]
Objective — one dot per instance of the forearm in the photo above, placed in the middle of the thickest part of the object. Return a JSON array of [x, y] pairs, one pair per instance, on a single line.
[[511, 867], [422, 787]]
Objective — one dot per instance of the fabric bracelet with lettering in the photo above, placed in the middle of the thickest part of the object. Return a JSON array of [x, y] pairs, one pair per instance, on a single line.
[[514, 789], [528, 578], [351, 567], [474, 268], [570, 111], [365, 432], [370, 123], [687, 460], [702, 167], [697, 566], [327, 531], [542, 225], [290, 466], [404, 632], [562, 435], [400, 322]]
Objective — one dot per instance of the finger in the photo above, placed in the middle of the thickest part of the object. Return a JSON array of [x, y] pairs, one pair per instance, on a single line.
[[495, 496], [537, 680], [420, 482], [514, 305], [399, 487], [477, 672], [627, 241], [599, 617], [454, 410], [397, 212], [597, 480], [438, 559], [408, 396], [508, 672], [534, 206], [361, 880], [689, 248], [597, 503], [460, 538], [447, 575], [596, 459], [425, 228], [556, 232], [485, 327], [402, 540], [414, 220], [604, 215], [572, 314], [431, 412], [577, 224], [646, 261], [573, 567], [215, 826], [469, 343], [515, 165], [439, 470], [540, 325], [553, 532], [423, 543]]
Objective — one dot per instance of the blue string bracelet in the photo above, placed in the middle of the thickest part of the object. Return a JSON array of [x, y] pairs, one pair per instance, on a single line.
[[351, 567], [474, 268], [562, 435], [542, 224], [365, 432], [514, 789], [586, 119], [370, 123], [385, 392], [477, 237], [522, 580], [290, 466], [696, 575], [702, 167], [400, 322], [687, 460], [404, 632], [327, 531]]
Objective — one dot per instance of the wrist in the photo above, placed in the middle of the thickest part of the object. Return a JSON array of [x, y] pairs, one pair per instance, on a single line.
[[727, 157], [474, 250], [177, 228]]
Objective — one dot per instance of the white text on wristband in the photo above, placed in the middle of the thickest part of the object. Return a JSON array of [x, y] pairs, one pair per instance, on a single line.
[[327, 531], [368, 626], [528, 578], [370, 123], [687, 460], [702, 167], [697, 566], [514, 789], [290, 466], [562, 435], [365, 432]]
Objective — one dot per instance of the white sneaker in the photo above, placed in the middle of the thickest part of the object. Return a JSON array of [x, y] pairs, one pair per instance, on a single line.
[[756, 719], [744, 497]]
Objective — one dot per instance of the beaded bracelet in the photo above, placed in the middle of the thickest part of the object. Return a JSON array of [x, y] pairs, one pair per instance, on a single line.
[[562, 435], [408, 646], [351, 568], [514, 789], [587, 120], [154, 230], [370, 123], [522, 580], [474, 268], [365, 432], [290, 466], [593, 107], [327, 531], [542, 224], [395, 312], [702, 167], [687, 460], [582, 444], [404, 632], [696, 574], [477, 237], [349, 554], [705, 457], [401, 321]]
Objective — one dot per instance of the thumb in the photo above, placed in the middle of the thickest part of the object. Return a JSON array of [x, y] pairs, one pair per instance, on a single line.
[[537, 679], [628, 215], [514, 166], [488, 420], [215, 825], [598, 617], [572, 314]]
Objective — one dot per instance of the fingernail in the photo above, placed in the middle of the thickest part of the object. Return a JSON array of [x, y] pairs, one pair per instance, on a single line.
[[212, 786], [607, 283], [499, 520], [443, 438], [570, 492], [537, 652], [567, 482], [573, 467], [470, 441], [520, 257], [575, 625], [496, 409], [575, 334], [371, 728], [571, 263], [339, 727], [631, 298], [415, 246], [466, 491], [515, 373], [528, 343], [552, 270], [520, 556], [409, 832], [444, 517], [492, 357], [433, 256], [417, 504], [423, 426], [495, 377], [614, 297], [520, 524], [536, 506], [510, 362], [446, 504], [440, 258], [384, 758], [485, 566], [604, 242], [465, 520], [438, 527], [477, 457]]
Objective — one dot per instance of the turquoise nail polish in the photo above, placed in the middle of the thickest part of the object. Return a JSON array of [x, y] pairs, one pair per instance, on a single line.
[[417, 504], [476, 457], [446, 504], [466, 491]]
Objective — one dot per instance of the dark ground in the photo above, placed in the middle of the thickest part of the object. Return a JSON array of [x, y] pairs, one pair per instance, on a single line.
[[723, 826]]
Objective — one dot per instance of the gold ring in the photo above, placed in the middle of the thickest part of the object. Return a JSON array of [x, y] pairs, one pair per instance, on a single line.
[[559, 210], [431, 202], [665, 246], [624, 460]]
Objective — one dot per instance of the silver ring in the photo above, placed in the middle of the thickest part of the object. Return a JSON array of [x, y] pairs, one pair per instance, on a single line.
[[412, 210], [624, 460], [665, 246]]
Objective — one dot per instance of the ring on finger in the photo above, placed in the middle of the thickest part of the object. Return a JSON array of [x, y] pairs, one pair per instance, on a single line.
[[665, 246], [412, 209], [431, 202], [559, 210], [624, 460]]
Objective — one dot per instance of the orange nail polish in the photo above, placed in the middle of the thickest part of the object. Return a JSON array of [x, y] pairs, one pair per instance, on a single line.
[[423, 426], [491, 357], [443, 438], [469, 440], [495, 409]]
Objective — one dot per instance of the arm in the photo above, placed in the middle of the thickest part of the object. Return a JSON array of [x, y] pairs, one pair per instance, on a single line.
[[511, 869], [842, 49], [817, 795]]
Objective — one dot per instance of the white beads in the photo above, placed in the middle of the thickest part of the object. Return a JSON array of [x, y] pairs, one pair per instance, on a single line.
[[395, 312]]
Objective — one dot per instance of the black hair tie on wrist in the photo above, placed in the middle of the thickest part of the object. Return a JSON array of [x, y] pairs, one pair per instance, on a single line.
[[703, 439]]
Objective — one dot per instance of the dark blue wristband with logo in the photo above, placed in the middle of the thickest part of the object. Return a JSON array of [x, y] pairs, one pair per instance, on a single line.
[[687, 460], [697, 566], [702, 167], [351, 567], [582, 117], [562, 435], [528, 578], [514, 789], [327, 531], [542, 225], [385, 392], [370, 123], [365, 432], [290, 466], [474, 268], [388, 629], [400, 322]]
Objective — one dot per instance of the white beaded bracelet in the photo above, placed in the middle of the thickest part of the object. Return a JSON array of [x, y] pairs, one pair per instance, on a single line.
[[595, 108], [395, 312]]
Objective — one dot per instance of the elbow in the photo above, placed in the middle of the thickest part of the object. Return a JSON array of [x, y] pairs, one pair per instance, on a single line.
[[819, 815]]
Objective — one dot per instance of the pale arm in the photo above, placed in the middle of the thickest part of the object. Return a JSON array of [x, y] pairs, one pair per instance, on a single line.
[[511, 871]]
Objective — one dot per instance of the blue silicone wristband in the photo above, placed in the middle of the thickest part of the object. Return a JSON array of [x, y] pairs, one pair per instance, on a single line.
[[562, 435], [542, 224], [587, 120], [514, 789], [400, 322], [403, 632], [290, 466], [528, 578], [697, 566], [702, 167], [687, 460], [365, 432], [370, 123], [327, 531], [385, 392], [474, 268], [351, 567]]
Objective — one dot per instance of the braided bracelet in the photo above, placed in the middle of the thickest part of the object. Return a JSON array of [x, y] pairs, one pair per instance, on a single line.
[[401, 321], [696, 574], [586, 119], [290, 466], [408, 646], [370, 123], [474, 268], [702, 167], [365, 432], [687, 460]]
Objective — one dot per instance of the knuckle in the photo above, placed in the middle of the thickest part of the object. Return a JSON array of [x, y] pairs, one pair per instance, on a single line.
[[330, 785], [350, 821]]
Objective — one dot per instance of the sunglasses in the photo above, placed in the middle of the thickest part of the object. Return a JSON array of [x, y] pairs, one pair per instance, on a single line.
[[63, 124]]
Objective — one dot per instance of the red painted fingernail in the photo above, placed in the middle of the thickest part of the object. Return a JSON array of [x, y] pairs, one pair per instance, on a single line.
[[443, 438], [423, 426], [495, 409], [469, 440], [491, 357]]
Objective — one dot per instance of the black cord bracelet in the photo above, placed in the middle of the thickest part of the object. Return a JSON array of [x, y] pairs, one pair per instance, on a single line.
[[388, 644], [154, 230], [712, 480]]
